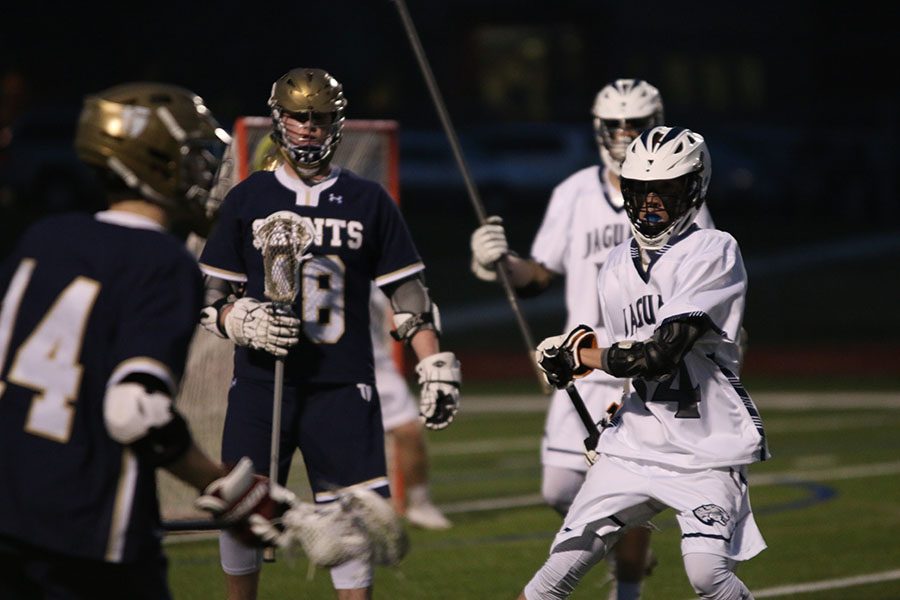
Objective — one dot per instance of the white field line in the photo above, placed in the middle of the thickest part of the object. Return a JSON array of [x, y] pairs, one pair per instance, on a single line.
[[795, 401], [827, 584]]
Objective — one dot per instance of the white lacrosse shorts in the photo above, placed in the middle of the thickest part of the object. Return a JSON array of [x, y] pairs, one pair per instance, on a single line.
[[398, 406], [712, 506]]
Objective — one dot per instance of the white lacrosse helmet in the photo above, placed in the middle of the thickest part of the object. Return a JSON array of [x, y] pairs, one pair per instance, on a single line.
[[674, 164], [623, 110]]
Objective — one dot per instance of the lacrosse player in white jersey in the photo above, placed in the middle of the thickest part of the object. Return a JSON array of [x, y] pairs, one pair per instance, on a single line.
[[672, 300], [402, 423], [583, 222]]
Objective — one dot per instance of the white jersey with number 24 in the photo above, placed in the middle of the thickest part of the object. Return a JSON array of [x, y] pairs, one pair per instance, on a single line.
[[701, 417]]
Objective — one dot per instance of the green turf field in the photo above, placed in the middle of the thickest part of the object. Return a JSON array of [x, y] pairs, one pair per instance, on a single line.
[[828, 504]]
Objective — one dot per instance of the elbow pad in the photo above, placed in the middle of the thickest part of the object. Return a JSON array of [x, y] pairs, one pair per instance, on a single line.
[[413, 309], [147, 421], [658, 357]]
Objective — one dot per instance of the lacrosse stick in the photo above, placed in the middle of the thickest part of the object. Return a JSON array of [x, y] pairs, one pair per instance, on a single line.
[[475, 199], [282, 238]]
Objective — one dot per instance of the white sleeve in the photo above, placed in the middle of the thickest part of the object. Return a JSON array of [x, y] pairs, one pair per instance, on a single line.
[[551, 244], [713, 283]]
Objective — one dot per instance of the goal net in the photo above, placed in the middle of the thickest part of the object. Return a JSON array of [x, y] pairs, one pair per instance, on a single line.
[[369, 149]]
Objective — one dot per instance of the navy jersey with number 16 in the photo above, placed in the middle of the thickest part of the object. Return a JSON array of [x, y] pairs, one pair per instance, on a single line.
[[360, 237]]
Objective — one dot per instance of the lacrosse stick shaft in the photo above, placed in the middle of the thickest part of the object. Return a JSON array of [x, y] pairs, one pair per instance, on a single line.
[[277, 396], [475, 199], [590, 442]]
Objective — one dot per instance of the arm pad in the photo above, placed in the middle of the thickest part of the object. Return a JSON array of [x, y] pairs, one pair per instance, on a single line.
[[658, 356], [145, 419], [413, 309]]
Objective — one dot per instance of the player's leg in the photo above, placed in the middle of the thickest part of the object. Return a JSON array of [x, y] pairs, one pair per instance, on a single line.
[[248, 432], [400, 417], [718, 529], [713, 578], [611, 500], [564, 468], [342, 441]]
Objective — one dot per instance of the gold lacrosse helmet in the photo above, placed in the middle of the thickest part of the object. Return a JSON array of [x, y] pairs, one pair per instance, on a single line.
[[314, 96], [160, 140]]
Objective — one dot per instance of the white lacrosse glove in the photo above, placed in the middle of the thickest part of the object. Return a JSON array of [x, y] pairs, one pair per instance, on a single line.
[[488, 246], [258, 325], [557, 356], [248, 504], [440, 377], [360, 524]]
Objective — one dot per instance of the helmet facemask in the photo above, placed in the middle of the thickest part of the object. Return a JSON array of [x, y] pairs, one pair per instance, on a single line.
[[314, 99], [614, 136], [307, 154], [659, 209], [622, 111]]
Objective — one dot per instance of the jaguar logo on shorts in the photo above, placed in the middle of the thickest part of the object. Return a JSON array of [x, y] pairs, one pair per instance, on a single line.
[[710, 513]]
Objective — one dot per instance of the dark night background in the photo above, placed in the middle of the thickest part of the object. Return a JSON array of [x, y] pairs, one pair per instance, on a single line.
[[798, 102]]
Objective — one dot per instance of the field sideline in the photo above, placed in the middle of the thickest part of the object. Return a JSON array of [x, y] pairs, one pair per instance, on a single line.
[[826, 503]]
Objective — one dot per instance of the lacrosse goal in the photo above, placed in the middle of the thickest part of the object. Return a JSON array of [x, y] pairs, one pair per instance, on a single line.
[[369, 149]]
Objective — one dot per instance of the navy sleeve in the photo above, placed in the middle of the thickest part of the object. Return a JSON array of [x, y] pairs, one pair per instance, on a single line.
[[399, 257], [222, 255]]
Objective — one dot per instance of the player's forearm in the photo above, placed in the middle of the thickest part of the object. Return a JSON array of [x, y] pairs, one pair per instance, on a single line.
[[526, 275], [425, 343], [195, 468], [592, 357]]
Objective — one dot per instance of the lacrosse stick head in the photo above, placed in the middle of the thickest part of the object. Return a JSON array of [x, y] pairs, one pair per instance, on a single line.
[[283, 239], [327, 533], [360, 524], [388, 542]]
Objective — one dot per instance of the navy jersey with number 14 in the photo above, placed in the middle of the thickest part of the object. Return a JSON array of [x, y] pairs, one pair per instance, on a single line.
[[87, 301]]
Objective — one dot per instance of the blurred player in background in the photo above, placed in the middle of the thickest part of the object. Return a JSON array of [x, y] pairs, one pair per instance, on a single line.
[[585, 219], [331, 407], [684, 437], [97, 314], [402, 424]]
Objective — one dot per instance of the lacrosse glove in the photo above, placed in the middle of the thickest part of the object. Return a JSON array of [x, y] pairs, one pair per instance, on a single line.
[[248, 504], [557, 356], [488, 246], [440, 377], [258, 325]]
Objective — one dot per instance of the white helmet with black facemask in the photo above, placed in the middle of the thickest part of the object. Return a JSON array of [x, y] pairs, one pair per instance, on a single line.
[[665, 177]]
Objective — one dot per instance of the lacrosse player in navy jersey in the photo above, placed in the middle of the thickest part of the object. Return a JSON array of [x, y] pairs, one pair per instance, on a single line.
[[585, 220], [672, 300], [331, 408], [97, 314]]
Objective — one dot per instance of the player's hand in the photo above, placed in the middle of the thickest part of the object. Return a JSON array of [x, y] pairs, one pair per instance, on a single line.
[[260, 326], [558, 359], [440, 377], [250, 505], [488, 246]]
